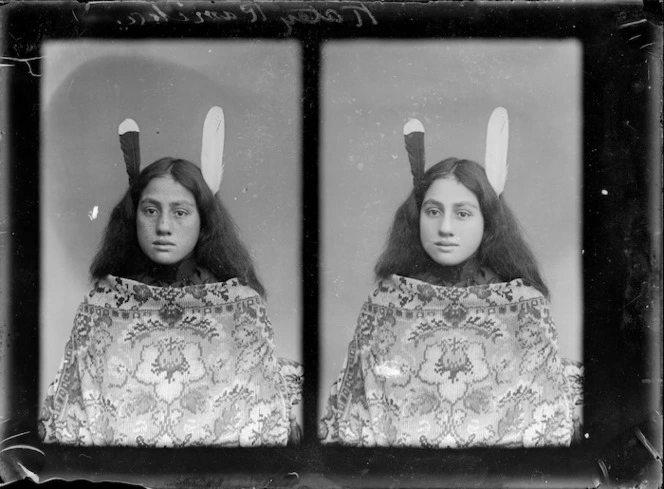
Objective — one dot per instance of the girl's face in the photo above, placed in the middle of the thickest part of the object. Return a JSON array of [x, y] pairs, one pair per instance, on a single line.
[[167, 221], [451, 222]]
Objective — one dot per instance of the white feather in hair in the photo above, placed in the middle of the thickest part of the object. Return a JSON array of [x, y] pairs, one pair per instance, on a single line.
[[212, 149], [495, 161]]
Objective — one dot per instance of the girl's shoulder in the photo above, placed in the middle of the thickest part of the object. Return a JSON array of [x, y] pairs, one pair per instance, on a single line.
[[407, 292], [125, 293]]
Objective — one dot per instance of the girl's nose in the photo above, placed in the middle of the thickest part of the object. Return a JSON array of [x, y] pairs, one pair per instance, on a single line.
[[446, 228], [164, 224]]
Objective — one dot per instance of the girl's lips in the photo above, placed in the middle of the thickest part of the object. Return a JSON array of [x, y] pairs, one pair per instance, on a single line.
[[446, 243], [163, 243]]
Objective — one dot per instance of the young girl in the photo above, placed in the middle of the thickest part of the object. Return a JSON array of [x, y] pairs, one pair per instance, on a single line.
[[172, 346], [455, 347]]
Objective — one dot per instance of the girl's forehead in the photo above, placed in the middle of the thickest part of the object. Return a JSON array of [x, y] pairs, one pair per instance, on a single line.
[[449, 189], [167, 189]]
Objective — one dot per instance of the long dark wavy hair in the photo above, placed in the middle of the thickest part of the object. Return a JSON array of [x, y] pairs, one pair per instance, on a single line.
[[219, 249], [503, 249]]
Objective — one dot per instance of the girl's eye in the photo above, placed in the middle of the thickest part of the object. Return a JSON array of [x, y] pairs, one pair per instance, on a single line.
[[464, 214], [181, 213], [433, 212], [150, 211]]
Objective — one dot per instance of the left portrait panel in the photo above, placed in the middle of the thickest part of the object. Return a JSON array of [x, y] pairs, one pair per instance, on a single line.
[[170, 302]]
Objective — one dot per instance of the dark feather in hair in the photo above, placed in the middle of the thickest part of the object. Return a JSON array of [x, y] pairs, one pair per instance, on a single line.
[[129, 143], [414, 139]]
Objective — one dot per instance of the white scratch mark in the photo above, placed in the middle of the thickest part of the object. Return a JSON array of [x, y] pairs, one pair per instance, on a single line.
[[23, 60], [13, 436], [70, 85], [93, 213], [629, 24], [28, 473]]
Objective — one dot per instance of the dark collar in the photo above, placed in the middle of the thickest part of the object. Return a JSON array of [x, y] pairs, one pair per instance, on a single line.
[[463, 275], [186, 272]]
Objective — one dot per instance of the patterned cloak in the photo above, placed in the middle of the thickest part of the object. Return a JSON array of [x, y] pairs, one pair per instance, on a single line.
[[451, 367], [169, 367]]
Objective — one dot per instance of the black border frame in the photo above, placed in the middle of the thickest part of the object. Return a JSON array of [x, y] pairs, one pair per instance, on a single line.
[[622, 107]]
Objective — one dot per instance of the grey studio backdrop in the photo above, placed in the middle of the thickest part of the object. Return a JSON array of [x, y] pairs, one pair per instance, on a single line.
[[369, 91], [167, 87]]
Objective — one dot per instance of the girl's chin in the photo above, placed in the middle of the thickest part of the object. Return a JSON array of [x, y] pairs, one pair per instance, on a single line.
[[448, 259], [163, 259]]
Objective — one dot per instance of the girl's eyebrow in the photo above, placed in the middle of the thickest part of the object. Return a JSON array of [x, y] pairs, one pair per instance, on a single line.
[[181, 202], [432, 201], [150, 200], [465, 203]]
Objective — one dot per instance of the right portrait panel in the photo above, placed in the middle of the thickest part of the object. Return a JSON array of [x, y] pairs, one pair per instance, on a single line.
[[451, 281]]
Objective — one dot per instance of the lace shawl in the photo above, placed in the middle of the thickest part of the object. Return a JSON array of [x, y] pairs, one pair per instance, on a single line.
[[164, 366], [453, 367]]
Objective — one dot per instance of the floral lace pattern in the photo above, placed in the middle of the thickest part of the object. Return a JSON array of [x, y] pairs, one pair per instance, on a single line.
[[451, 367], [164, 366]]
